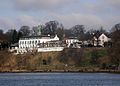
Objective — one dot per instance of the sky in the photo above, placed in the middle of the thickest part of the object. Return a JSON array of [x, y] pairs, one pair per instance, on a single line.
[[91, 13]]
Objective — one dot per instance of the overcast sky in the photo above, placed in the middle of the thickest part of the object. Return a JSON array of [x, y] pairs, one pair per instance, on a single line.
[[91, 13]]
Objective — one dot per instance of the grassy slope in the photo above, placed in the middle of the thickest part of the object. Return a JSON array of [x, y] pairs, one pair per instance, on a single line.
[[34, 61]]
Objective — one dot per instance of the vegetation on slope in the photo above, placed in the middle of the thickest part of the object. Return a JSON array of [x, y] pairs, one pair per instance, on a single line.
[[69, 59]]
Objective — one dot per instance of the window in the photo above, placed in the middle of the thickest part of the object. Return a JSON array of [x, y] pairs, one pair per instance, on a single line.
[[36, 42], [103, 41], [102, 37], [32, 42]]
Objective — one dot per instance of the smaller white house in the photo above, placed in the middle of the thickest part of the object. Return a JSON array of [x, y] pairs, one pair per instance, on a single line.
[[102, 39]]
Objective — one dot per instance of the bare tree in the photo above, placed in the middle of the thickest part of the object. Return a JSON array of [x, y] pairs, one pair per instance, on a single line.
[[50, 27], [25, 30], [115, 51], [38, 30], [78, 31]]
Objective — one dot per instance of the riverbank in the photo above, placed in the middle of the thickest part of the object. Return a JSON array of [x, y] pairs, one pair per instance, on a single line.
[[62, 71], [69, 60]]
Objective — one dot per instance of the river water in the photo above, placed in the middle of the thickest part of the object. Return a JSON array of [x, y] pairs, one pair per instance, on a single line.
[[59, 79]]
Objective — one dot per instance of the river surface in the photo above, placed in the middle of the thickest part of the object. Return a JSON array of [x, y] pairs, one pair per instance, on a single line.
[[59, 79]]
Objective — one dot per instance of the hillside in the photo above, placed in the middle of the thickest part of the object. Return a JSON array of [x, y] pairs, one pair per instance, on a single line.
[[69, 59]]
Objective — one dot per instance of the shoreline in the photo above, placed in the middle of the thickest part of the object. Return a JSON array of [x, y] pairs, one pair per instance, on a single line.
[[62, 71]]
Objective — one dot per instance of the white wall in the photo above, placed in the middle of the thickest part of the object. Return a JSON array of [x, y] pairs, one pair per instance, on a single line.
[[103, 38], [31, 43]]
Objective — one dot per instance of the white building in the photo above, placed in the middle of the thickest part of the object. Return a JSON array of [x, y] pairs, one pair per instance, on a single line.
[[71, 41], [27, 44], [102, 39]]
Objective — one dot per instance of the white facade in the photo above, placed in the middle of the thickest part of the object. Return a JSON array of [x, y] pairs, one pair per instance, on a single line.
[[102, 39], [31, 43], [49, 49]]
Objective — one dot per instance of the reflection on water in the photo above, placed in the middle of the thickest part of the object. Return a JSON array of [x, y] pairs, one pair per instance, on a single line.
[[59, 79]]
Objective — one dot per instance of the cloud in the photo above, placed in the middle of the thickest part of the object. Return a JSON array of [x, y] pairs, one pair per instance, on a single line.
[[40, 4], [115, 4], [112, 20], [27, 20], [90, 21], [70, 20], [7, 23]]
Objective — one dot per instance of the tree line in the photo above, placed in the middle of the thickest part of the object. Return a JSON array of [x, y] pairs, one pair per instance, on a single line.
[[51, 28]]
